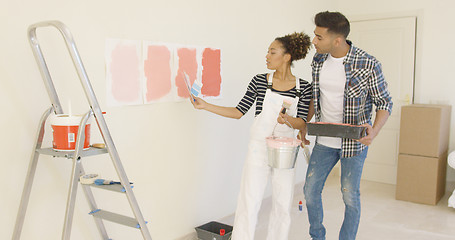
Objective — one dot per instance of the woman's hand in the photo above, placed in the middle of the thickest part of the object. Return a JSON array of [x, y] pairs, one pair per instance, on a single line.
[[198, 103], [302, 136], [230, 112], [282, 118]]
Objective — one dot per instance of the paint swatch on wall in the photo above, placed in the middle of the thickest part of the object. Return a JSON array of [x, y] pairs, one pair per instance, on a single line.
[[211, 72], [157, 72], [142, 72], [123, 72], [187, 62]]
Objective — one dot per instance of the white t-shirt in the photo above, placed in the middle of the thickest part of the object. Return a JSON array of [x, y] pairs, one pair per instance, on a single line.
[[332, 81]]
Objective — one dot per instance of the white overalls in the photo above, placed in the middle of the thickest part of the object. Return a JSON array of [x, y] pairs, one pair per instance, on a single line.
[[256, 172]]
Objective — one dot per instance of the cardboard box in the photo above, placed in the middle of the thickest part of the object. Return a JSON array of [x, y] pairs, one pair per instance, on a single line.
[[424, 129], [421, 179]]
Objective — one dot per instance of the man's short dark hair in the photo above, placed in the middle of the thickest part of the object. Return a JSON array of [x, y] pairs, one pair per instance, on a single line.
[[335, 22]]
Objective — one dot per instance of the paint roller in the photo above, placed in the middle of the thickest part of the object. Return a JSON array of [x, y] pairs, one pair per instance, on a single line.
[[93, 179]]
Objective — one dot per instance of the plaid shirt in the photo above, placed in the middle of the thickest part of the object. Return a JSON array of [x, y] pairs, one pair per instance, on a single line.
[[365, 86]]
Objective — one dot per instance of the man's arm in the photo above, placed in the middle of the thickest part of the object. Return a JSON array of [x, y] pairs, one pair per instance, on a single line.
[[372, 131]]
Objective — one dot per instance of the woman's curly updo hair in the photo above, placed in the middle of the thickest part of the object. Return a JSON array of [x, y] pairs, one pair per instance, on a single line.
[[296, 44]]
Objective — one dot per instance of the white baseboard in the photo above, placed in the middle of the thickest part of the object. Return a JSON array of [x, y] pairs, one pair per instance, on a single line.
[[450, 186], [190, 236]]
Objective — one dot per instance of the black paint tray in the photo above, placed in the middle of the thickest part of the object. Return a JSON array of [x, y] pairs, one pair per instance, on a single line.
[[211, 231], [336, 130]]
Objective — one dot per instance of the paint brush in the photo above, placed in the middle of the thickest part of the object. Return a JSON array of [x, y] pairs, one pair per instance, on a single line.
[[286, 105]]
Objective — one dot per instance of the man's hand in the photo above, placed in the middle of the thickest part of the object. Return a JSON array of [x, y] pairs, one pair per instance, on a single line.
[[371, 134]]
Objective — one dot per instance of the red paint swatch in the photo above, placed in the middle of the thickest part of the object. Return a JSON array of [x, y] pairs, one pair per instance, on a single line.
[[157, 70], [211, 72], [125, 75], [187, 64]]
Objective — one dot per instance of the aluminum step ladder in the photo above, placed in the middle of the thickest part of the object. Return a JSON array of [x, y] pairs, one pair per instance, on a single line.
[[77, 155]]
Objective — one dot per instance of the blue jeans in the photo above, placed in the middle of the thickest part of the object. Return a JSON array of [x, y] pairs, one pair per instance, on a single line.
[[322, 160]]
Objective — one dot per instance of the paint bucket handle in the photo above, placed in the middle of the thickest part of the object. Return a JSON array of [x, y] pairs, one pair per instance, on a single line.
[[273, 132]]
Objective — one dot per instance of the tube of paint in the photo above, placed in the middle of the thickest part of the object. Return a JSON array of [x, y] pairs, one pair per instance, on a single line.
[[300, 206]]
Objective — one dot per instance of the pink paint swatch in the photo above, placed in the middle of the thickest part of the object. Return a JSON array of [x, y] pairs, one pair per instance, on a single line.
[[157, 70], [125, 75], [211, 72], [187, 64]]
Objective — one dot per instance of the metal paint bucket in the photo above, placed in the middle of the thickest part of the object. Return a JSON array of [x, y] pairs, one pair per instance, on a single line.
[[282, 151]]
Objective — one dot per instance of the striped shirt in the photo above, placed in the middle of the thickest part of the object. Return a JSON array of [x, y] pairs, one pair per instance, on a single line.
[[365, 86], [256, 92]]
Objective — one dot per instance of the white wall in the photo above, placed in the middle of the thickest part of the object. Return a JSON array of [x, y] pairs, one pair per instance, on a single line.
[[434, 83], [185, 164]]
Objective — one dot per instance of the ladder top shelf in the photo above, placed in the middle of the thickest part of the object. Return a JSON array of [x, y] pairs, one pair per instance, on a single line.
[[70, 154]]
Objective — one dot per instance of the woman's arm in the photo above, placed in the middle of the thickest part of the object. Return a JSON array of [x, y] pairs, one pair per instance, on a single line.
[[310, 111], [230, 112], [296, 122], [303, 130]]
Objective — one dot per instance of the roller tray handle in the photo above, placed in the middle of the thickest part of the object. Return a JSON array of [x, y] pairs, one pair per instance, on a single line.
[[336, 130]]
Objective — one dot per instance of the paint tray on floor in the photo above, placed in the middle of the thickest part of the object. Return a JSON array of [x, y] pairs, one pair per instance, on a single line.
[[214, 231], [336, 130]]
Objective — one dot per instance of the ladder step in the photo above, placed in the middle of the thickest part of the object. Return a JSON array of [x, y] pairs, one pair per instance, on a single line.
[[110, 187], [69, 154], [114, 217]]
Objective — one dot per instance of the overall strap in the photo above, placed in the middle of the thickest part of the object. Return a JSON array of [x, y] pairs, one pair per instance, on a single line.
[[269, 81], [298, 92], [297, 85]]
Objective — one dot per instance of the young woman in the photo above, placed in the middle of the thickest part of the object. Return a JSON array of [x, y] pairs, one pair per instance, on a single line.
[[269, 91]]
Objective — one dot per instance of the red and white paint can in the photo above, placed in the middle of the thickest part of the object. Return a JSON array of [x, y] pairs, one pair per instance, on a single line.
[[65, 128]]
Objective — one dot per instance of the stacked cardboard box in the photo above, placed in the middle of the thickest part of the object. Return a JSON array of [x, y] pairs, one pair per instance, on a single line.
[[422, 161]]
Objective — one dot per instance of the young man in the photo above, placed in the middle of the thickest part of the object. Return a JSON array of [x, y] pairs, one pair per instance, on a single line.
[[347, 82]]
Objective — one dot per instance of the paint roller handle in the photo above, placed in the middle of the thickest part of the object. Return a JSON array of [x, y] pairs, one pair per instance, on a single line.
[[113, 182], [101, 181]]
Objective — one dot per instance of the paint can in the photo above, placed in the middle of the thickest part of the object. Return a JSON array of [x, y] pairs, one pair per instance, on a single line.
[[282, 151], [65, 128]]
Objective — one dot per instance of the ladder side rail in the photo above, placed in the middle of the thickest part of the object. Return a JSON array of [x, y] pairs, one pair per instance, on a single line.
[[30, 176], [102, 125], [76, 59], [44, 70], [92, 204], [86, 189], [121, 173], [71, 200], [100, 120]]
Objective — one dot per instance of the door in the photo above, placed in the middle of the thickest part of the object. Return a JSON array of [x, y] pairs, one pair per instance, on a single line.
[[392, 42]]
